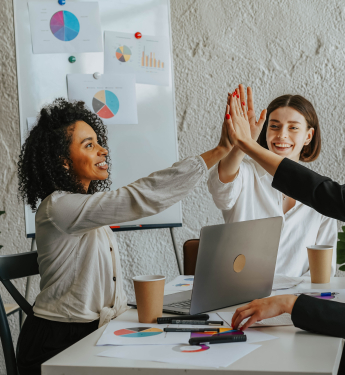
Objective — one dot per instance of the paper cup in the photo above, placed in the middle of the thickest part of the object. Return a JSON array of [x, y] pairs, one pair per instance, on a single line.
[[320, 263], [149, 293]]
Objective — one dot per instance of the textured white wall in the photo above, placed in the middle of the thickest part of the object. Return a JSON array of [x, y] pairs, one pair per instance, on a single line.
[[278, 47]]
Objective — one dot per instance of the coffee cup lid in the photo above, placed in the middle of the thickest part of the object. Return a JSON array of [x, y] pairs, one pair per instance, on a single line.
[[144, 278], [320, 247]]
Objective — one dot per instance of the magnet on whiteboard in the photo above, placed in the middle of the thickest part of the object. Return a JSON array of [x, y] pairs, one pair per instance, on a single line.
[[62, 2], [138, 35], [72, 59], [97, 75]]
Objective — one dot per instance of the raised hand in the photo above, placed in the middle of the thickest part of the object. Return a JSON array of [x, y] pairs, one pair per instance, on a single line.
[[255, 126], [238, 127]]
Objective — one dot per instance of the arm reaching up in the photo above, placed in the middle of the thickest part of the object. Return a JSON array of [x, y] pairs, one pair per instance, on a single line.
[[296, 181], [229, 166]]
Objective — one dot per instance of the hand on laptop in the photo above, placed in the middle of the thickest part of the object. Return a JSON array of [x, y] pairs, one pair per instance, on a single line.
[[264, 308]]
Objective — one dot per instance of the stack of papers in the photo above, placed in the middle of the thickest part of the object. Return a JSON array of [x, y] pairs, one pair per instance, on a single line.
[[149, 342]]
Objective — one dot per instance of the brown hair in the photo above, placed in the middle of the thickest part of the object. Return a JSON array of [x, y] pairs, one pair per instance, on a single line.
[[311, 151]]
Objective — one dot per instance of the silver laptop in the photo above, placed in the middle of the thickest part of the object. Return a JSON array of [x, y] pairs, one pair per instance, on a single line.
[[235, 264]]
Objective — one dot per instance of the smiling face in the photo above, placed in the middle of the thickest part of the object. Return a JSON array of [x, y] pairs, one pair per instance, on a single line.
[[88, 157], [287, 133]]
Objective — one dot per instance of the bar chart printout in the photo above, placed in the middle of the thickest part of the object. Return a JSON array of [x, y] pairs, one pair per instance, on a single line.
[[151, 61], [148, 58]]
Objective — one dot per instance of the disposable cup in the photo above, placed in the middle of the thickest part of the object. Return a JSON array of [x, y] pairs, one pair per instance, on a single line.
[[149, 293], [320, 263]]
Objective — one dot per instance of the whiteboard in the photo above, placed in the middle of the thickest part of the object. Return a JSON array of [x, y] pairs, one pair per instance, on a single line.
[[135, 150]]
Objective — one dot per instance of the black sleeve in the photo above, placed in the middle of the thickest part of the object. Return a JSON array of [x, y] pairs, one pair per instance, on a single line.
[[321, 316], [316, 191]]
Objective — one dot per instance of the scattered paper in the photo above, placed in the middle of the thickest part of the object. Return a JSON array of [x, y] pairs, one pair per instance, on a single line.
[[281, 320], [134, 333], [180, 284], [129, 333], [285, 282], [112, 96], [75, 27], [216, 355], [148, 57], [339, 294]]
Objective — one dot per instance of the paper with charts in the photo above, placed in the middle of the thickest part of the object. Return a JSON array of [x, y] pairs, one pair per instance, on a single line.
[[112, 96], [148, 58], [218, 355], [132, 333], [74, 27], [180, 284]]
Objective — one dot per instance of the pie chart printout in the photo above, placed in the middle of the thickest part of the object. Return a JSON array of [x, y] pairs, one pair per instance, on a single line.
[[64, 25], [138, 332], [105, 103], [123, 53], [193, 348]]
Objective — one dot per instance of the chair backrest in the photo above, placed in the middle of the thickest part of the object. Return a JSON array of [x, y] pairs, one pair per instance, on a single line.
[[14, 267], [190, 253]]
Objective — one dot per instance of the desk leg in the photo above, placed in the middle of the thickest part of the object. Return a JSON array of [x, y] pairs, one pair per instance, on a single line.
[[178, 260]]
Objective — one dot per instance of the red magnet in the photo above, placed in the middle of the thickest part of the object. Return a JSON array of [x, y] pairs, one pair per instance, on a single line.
[[138, 35]]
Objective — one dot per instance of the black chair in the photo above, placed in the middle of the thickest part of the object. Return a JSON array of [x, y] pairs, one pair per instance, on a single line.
[[14, 267]]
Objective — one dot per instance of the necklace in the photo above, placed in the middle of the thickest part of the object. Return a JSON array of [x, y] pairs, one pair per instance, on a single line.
[[284, 196]]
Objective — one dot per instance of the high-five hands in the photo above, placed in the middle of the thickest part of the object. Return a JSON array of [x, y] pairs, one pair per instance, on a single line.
[[241, 122]]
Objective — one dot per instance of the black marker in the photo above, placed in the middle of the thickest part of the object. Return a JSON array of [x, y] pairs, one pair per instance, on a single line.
[[168, 329], [168, 319], [198, 322], [217, 339]]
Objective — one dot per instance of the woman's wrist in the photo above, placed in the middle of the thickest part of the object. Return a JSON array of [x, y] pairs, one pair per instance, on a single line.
[[289, 303], [213, 156]]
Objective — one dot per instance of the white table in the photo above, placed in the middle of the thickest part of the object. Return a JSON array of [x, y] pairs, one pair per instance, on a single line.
[[294, 352]]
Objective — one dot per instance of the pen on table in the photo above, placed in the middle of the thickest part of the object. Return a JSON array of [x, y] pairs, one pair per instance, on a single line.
[[198, 322], [168, 319], [171, 329], [317, 294], [217, 339]]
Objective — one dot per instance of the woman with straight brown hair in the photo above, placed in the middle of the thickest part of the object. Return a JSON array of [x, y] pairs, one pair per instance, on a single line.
[[242, 189]]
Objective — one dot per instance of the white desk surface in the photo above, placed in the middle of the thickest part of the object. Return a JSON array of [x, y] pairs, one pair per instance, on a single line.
[[294, 352]]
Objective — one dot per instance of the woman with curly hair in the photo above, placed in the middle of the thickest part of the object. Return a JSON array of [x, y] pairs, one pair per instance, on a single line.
[[63, 174]]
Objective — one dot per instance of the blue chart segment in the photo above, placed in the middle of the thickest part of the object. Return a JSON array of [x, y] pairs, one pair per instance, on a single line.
[[64, 25]]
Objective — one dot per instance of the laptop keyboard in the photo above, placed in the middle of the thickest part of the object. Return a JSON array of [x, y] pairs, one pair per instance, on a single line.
[[181, 305]]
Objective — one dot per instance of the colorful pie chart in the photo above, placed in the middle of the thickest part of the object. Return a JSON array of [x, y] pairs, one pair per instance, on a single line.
[[123, 53], [64, 25], [138, 332], [194, 348], [106, 104]]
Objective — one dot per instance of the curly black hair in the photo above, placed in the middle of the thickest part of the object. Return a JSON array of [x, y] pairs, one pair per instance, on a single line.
[[47, 148]]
